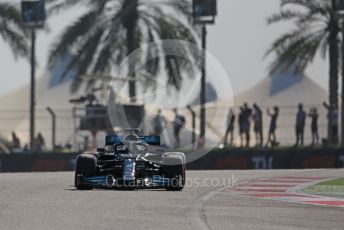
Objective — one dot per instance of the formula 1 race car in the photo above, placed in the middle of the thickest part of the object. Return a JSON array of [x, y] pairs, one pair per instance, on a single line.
[[131, 162]]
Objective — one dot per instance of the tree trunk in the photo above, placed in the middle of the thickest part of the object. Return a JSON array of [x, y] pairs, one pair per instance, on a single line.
[[131, 65], [333, 81], [129, 20]]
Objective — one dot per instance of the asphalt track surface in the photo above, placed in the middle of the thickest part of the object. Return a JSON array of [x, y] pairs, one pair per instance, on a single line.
[[49, 201]]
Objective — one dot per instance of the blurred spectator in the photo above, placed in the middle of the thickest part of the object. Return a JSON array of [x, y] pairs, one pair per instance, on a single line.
[[258, 124], [68, 147], [230, 127], [86, 143], [15, 141], [273, 126], [300, 125], [247, 112], [158, 123], [335, 124], [26, 148], [178, 124], [39, 143], [241, 125], [313, 114], [332, 116]]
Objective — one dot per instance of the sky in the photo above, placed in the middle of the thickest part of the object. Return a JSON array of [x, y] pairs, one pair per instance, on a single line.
[[238, 40]]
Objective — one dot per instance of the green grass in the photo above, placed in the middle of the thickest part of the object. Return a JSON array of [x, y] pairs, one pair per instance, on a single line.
[[337, 182], [331, 188]]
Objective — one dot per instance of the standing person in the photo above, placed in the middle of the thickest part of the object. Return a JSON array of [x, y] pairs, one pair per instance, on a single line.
[[247, 113], [15, 141], [241, 126], [313, 114], [158, 123], [273, 126], [300, 125], [335, 124], [86, 143], [178, 124], [230, 127], [258, 124], [332, 116], [39, 143]]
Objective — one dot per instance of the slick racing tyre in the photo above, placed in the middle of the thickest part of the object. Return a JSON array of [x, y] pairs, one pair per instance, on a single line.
[[174, 170], [85, 167]]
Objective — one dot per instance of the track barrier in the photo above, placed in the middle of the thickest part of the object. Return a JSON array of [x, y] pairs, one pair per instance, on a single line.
[[217, 159]]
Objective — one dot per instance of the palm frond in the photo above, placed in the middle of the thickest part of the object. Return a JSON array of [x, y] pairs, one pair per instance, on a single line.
[[149, 24], [12, 30], [313, 5], [10, 13], [84, 58], [283, 16], [17, 42], [56, 6], [313, 20], [298, 53], [71, 36]]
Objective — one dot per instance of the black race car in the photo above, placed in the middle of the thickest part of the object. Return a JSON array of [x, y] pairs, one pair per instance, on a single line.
[[132, 162]]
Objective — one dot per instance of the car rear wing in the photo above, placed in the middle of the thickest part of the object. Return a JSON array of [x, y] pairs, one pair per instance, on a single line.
[[151, 140], [117, 140]]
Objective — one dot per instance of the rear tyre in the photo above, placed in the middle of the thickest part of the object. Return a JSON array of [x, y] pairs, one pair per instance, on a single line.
[[174, 170], [85, 167]]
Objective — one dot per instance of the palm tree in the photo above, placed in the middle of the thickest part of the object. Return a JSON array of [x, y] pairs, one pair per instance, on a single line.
[[316, 31], [11, 30], [112, 29]]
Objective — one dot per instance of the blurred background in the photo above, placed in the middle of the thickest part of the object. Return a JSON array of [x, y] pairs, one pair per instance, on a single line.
[[98, 67]]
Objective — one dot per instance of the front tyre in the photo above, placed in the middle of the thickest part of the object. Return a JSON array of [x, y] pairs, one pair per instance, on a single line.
[[174, 170], [85, 167]]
